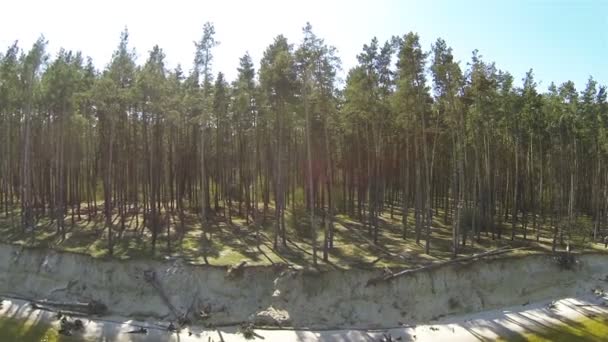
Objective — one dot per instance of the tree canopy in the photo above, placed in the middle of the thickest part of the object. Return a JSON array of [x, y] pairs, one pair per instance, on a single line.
[[411, 132]]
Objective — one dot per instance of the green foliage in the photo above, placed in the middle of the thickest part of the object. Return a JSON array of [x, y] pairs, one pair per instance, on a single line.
[[14, 329], [409, 127]]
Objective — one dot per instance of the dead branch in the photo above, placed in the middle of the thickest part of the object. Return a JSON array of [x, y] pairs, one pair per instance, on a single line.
[[91, 308], [150, 277], [388, 277], [236, 270]]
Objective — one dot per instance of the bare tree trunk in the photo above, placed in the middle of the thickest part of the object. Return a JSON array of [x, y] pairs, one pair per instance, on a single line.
[[406, 188], [515, 193], [540, 194], [108, 188], [328, 240], [309, 166], [428, 210], [26, 192], [456, 188], [204, 191]]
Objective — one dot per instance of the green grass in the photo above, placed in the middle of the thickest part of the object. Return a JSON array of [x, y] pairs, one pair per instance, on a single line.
[[585, 330], [228, 244], [12, 329]]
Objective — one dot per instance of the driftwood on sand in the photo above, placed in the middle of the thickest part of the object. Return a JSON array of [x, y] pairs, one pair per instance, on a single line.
[[92, 308]]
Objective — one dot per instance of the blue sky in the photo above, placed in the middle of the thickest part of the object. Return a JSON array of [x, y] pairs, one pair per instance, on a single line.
[[561, 40]]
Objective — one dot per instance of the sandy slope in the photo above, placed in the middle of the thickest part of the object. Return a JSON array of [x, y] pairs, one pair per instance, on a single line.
[[281, 296]]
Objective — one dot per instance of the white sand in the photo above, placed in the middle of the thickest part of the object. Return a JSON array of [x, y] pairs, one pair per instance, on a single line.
[[475, 327]]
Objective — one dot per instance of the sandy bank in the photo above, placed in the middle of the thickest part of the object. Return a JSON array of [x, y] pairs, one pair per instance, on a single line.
[[295, 298]]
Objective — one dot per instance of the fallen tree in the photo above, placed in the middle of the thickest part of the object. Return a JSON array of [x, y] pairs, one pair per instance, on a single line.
[[90, 308], [150, 278], [236, 270], [390, 276]]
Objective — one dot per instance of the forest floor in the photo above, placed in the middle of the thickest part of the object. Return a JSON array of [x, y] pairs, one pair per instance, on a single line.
[[229, 244]]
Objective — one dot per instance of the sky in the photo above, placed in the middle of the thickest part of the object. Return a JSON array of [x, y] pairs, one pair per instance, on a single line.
[[561, 40]]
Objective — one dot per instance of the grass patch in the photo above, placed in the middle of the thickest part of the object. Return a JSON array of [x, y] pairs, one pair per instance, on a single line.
[[12, 329], [227, 243], [585, 330]]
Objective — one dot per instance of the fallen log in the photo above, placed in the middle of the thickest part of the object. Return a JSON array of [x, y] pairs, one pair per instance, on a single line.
[[54, 309], [236, 270], [388, 277], [91, 308], [150, 278], [602, 305]]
